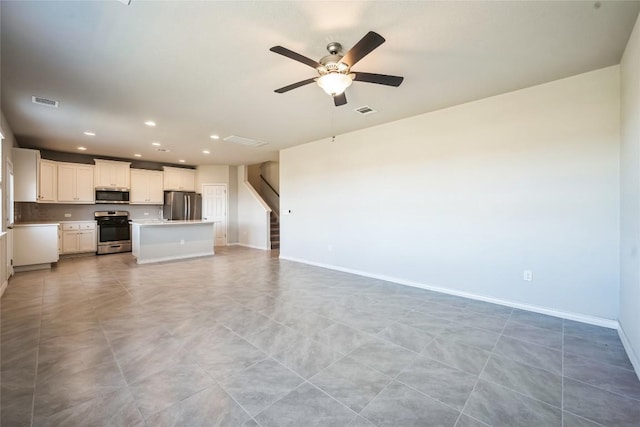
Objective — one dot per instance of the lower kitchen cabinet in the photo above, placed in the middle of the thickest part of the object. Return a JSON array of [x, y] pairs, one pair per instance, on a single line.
[[78, 237], [34, 245]]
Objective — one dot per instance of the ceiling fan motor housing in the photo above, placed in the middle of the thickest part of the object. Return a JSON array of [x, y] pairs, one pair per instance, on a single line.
[[332, 64]]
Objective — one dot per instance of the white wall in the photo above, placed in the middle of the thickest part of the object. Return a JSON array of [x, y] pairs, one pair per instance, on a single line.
[[468, 197], [630, 198], [253, 215]]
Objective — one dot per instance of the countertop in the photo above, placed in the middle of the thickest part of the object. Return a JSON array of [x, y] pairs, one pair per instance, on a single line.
[[163, 222], [26, 223]]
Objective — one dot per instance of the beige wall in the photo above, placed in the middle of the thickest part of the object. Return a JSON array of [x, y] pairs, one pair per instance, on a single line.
[[630, 198], [467, 198]]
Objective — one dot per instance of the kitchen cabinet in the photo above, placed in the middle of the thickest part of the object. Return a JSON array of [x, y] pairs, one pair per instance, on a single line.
[[179, 179], [35, 246], [146, 187], [25, 171], [75, 183], [110, 174], [48, 182], [78, 237]]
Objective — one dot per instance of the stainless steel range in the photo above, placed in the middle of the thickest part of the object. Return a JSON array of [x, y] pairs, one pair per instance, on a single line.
[[114, 232]]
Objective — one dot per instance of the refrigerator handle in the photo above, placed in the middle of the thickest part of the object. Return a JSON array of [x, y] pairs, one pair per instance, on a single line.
[[189, 207], [184, 203]]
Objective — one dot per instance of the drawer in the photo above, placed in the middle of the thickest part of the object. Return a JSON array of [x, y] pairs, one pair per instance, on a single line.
[[88, 226], [68, 227]]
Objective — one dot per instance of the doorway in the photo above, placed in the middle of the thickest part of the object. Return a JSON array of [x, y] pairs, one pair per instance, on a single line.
[[214, 208]]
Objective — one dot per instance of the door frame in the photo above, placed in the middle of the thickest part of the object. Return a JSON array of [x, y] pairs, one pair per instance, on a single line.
[[226, 222]]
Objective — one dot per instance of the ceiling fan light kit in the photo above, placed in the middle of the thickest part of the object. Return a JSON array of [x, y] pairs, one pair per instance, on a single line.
[[334, 83], [335, 69]]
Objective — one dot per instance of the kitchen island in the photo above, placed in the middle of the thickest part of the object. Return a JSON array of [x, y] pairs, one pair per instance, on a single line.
[[158, 240]]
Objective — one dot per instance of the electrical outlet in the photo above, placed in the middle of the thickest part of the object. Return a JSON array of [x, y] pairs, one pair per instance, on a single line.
[[67, 215], [146, 213], [527, 275], [182, 242]]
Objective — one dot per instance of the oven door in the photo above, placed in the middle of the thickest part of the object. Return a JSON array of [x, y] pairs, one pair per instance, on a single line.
[[114, 230]]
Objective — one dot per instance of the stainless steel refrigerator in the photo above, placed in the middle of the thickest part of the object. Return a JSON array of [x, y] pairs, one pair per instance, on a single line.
[[182, 205]]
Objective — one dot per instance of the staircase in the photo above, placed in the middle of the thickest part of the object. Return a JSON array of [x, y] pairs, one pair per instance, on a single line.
[[275, 231]]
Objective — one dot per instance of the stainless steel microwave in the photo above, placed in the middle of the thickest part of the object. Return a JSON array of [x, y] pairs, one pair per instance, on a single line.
[[112, 195]]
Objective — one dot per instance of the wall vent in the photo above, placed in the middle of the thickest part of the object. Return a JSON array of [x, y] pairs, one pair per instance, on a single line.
[[44, 101], [164, 150], [365, 110], [244, 141]]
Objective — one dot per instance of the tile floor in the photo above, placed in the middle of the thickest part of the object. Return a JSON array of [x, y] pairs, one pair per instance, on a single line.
[[244, 339]]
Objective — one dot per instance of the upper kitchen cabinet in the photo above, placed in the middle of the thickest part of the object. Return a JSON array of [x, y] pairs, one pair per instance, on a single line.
[[75, 183], [146, 187], [179, 179], [111, 174], [25, 171], [48, 182]]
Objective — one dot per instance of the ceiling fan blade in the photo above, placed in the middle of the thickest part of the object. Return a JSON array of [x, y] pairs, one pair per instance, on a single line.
[[381, 79], [295, 85], [295, 56], [340, 99], [361, 49]]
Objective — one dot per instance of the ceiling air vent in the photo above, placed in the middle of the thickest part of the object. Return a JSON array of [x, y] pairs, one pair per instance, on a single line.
[[365, 110], [244, 141], [164, 150], [44, 101]]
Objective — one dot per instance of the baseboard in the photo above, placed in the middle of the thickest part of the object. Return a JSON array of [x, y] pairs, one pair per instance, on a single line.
[[3, 287], [249, 246], [633, 357], [592, 320]]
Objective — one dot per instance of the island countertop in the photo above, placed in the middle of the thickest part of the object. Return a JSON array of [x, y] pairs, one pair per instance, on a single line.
[[162, 222]]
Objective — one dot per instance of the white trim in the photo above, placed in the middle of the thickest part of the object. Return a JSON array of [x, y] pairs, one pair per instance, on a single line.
[[633, 357], [4, 287], [599, 321], [249, 246]]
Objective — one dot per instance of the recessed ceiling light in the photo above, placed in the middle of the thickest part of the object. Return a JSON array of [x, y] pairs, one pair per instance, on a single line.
[[206, 151], [89, 133], [182, 161], [137, 155], [82, 148], [150, 123], [214, 137], [157, 144]]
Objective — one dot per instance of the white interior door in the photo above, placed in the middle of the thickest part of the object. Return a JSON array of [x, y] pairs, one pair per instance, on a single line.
[[214, 208]]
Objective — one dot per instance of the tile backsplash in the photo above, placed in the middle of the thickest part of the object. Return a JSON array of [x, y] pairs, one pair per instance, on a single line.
[[29, 212]]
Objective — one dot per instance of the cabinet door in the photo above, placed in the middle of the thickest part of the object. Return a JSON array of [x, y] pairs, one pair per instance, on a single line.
[[48, 184], [139, 186], [156, 194], [70, 242], [103, 175], [172, 179], [66, 183], [188, 180], [85, 191], [87, 241], [121, 176]]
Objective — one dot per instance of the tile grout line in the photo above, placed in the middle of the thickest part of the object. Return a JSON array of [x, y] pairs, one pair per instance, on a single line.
[[115, 358], [35, 377], [483, 368]]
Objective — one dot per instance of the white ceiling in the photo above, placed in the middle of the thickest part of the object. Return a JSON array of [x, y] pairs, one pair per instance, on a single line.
[[198, 68]]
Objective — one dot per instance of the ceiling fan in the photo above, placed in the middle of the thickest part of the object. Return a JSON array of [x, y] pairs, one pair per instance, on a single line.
[[335, 74]]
